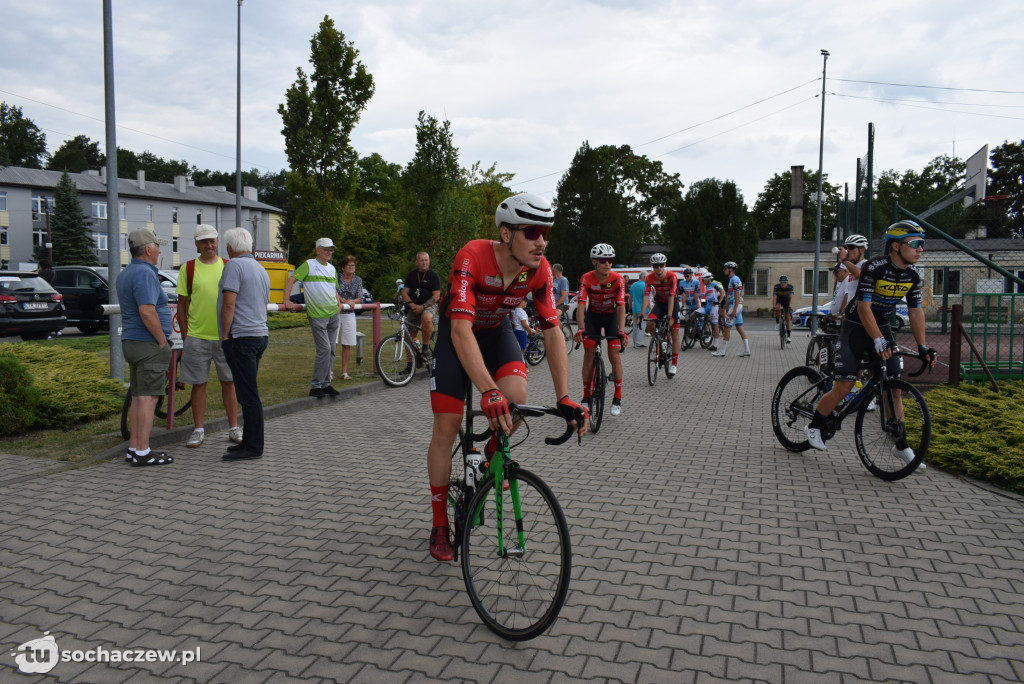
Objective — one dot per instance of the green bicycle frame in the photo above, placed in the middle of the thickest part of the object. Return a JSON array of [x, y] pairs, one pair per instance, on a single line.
[[496, 471]]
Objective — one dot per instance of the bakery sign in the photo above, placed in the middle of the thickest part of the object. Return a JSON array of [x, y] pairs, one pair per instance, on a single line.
[[269, 256]]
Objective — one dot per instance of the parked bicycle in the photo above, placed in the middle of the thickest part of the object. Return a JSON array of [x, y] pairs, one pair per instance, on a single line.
[[174, 396], [512, 543], [877, 431], [697, 328], [821, 350], [659, 352], [535, 350], [399, 355]]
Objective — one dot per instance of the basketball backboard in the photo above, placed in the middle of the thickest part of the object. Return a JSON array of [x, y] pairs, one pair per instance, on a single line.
[[977, 177]]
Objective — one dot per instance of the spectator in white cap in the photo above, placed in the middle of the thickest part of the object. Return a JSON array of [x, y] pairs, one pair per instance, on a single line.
[[198, 289], [145, 329], [319, 283]]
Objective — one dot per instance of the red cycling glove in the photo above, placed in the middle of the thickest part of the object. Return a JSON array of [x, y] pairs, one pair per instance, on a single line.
[[569, 410], [493, 404], [578, 337]]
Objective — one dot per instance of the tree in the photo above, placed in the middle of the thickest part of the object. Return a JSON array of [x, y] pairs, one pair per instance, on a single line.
[[916, 192], [710, 226], [77, 155], [1006, 177], [379, 180], [487, 188], [375, 237], [609, 194], [770, 215], [319, 114], [21, 141], [438, 213], [72, 244]]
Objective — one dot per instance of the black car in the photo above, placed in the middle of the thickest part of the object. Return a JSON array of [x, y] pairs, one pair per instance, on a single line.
[[29, 306], [85, 291]]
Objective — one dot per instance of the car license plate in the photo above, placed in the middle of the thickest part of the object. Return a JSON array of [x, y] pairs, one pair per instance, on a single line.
[[35, 305]]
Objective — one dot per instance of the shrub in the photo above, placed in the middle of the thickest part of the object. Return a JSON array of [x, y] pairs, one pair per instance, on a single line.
[[18, 397]]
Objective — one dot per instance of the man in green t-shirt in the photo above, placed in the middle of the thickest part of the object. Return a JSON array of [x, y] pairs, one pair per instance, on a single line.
[[197, 316], [320, 288]]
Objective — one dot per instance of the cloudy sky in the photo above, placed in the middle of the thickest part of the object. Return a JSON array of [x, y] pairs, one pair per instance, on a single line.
[[727, 89]]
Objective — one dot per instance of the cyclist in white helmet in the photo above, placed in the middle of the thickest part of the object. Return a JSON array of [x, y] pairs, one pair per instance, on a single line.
[[734, 315], [662, 288], [604, 318]]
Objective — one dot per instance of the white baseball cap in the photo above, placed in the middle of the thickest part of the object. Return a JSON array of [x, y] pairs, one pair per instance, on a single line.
[[325, 242], [205, 231]]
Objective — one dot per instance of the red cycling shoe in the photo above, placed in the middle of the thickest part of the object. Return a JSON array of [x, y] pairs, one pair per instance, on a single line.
[[440, 545]]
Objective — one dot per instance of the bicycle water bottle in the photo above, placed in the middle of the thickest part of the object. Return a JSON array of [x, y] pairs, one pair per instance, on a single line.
[[473, 462]]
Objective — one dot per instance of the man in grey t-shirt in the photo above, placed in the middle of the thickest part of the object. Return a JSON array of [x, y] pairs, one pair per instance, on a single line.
[[242, 303]]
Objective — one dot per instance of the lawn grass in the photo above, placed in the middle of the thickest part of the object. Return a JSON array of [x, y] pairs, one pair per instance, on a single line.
[[285, 371]]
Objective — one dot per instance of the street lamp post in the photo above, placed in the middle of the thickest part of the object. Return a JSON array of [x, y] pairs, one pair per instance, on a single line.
[[238, 123], [817, 219]]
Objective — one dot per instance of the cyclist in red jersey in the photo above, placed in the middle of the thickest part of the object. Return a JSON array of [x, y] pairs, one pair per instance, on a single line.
[[475, 341], [662, 287], [604, 318]]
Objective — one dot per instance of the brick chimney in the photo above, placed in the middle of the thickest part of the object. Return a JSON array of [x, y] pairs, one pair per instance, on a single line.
[[796, 205], [142, 179]]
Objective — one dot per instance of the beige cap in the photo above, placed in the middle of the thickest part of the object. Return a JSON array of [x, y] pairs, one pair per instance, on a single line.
[[325, 242], [143, 236], [205, 232]]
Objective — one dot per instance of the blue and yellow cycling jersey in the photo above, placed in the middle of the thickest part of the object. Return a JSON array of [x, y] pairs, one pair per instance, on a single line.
[[783, 291], [884, 284]]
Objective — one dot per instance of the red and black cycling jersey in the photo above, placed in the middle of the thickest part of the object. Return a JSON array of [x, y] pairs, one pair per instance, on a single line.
[[665, 288], [603, 296], [884, 284], [476, 289]]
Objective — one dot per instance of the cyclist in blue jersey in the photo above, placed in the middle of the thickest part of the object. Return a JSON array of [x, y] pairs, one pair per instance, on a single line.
[[714, 295], [734, 309], [884, 281], [690, 290]]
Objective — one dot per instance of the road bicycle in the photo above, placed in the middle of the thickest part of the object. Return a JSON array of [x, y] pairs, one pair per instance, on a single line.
[[877, 431], [174, 396], [696, 329], [535, 351], [399, 355], [659, 353], [821, 349], [598, 385], [785, 315], [512, 543]]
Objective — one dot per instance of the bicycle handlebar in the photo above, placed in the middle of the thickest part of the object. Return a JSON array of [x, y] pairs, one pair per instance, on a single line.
[[525, 410], [927, 360]]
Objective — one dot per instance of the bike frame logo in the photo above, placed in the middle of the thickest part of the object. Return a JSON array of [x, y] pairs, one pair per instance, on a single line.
[[37, 656]]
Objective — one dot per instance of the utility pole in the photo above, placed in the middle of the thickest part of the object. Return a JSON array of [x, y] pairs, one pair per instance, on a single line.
[[113, 224], [821, 200], [238, 124]]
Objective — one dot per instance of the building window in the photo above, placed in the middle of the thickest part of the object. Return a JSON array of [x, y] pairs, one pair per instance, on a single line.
[[1010, 286], [760, 284], [149, 213], [174, 214], [824, 283], [38, 207], [945, 281], [174, 244], [39, 236], [101, 241], [99, 210], [3, 235], [199, 216], [3, 202], [122, 211]]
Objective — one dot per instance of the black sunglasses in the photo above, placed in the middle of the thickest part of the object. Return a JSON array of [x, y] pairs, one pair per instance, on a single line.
[[533, 232]]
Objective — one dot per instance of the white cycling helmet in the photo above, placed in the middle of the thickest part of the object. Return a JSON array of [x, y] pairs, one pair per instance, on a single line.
[[602, 250], [525, 208], [658, 259], [856, 241], [730, 264], [705, 274]]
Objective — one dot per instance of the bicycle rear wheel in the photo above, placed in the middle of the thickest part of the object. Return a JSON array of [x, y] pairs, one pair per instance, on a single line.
[[877, 432], [793, 404], [517, 595], [535, 351], [597, 395], [628, 329], [182, 403], [395, 360], [707, 334], [653, 357], [567, 332], [782, 332]]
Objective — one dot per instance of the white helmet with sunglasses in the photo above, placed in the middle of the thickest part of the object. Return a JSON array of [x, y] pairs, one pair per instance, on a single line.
[[525, 208], [602, 250]]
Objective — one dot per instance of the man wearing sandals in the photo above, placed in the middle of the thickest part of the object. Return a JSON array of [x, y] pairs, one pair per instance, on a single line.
[[145, 329], [475, 342]]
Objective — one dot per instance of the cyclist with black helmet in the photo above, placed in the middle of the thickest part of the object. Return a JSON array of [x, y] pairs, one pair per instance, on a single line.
[[782, 295], [884, 281], [734, 309], [475, 342], [690, 290], [604, 318], [662, 287]]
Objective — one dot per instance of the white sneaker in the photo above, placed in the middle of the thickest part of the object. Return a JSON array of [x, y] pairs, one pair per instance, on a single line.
[[814, 437], [873, 405], [196, 439], [616, 409], [672, 370], [235, 435], [906, 455], [718, 353], [789, 341], [743, 353]]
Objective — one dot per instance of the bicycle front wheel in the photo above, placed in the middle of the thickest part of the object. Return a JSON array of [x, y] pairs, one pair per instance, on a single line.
[[782, 333], [597, 395], [707, 335], [518, 593], [628, 329], [535, 351], [395, 361], [653, 356], [793, 404], [879, 432]]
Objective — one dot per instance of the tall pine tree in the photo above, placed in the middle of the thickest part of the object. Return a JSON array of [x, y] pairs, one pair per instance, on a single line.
[[72, 243]]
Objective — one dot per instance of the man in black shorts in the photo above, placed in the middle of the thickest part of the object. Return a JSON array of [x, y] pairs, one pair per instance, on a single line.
[[782, 296], [422, 292], [884, 281]]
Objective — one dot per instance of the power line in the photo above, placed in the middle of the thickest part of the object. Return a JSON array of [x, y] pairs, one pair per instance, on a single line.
[[907, 103], [931, 87]]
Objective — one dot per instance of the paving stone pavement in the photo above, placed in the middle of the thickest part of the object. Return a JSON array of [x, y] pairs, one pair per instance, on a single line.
[[702, 551]]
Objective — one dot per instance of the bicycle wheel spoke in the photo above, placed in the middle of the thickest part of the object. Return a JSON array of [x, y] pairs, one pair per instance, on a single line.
[[519, 595], [793, 404], [882, 437], [395, 361]]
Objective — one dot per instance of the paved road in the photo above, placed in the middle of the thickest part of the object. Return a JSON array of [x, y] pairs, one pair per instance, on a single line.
[[702, 552]]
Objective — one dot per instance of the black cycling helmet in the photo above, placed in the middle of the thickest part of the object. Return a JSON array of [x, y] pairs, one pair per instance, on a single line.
[[687, 271], [784, 279]]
